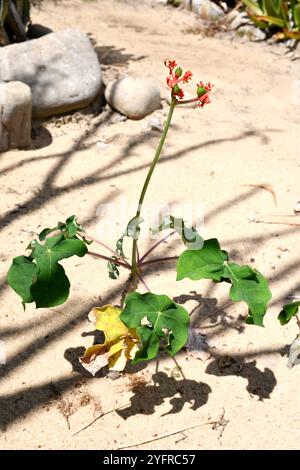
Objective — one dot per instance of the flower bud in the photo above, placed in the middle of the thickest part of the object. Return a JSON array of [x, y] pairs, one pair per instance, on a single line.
[[201, 90], [177, 91], [178, 72]]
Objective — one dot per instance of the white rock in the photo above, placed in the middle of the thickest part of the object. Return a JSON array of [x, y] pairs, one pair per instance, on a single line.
[[101, 146], [231, 16], [239, 19], [251, 32], [294, 352], [132, 96], [15, 115], [62, 70], [206, 9], [155, 124], [297, 207]]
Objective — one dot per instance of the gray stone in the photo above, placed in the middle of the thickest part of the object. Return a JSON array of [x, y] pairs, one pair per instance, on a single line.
[[61, 69], [240, 19], [206, 9], [251, 32], [15, 115], [241, 23], [160, 2], [134, 97], [297, 207]]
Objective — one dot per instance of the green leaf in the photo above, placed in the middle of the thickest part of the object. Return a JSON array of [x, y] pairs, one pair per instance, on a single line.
[[113, 270], [247, 284], [260, 24], [155, 318], [45, 232], [189, 235], [206, 263], [132, 230], [4, 6], [69, 228], [52, 285], [288, 311], [283, 9], [271, 20], [270, 8], [39, 277], [25, 11], [250, 286], [119, 248], [253, 7], [20, 277], [296, 15]]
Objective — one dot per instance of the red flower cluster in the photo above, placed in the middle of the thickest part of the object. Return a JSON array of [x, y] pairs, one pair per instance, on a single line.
[[177, 76], [202, 91]]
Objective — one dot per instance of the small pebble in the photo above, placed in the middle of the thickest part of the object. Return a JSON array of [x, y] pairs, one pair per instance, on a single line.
[[297, 207]]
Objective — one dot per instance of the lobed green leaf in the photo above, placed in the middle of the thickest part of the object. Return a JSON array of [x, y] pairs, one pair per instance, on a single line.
[[20, 277], [288, 312], [206, 263], [39, 277], [155, 318], [247, 284]]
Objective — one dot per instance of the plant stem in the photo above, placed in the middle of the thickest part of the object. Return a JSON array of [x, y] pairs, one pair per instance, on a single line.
[[143, 282], [104, 246], [88, 237], [156, 245], [158, 260], [110, 260], [148, 178]]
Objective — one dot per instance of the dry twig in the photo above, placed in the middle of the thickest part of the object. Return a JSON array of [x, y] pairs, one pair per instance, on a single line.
[[172, 433], [98, 417]]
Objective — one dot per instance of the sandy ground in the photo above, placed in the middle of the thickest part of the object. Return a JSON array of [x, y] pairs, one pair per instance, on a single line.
[[248, 136]]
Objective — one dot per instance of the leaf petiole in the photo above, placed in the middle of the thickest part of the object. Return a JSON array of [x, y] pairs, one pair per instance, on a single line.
[[110, 260]]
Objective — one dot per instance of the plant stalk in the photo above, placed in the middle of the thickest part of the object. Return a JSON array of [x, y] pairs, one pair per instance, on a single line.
[[148, 178], [110, 260], [158, 260], [156, 245]]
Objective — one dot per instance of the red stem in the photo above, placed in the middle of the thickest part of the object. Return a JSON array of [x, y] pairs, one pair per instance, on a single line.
[[99, 242], [111, 260], [158, 260], [143, 282], [104, 246], [156, 245], [192, 100]]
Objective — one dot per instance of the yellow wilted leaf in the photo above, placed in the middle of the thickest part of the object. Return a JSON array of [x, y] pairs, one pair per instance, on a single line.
[[120, 343], [107, 319], [120, 352], [94, 358]]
